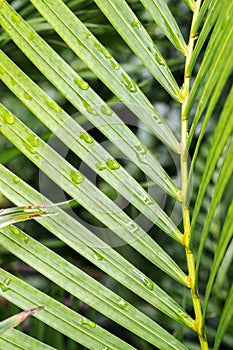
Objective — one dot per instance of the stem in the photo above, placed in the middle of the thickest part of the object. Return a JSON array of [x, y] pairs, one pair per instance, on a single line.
[[199, 322]]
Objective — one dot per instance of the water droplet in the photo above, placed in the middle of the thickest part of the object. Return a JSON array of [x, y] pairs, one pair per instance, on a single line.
[[86, 137], [105, 348], [2, 70], [129, 83], [159, 59], [88, 107], [15, 230], [16, 179], [88, 35], [29, 148], [100, 166], [141, 151], [4, 286], [115, 65], [32, 36], [76, 176], [148, 283], [53, 105], [136, 23], [85, 321], [33, 140], [122, 303], [82, 84], [123, 219], [98, 256], [15, 18], [27, 96], [112, 164], [9, 118], [105, 109], [25, 238], [143, 195], [103, 50]]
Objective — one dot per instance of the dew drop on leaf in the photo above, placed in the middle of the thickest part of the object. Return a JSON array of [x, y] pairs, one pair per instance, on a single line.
[[115, 65], [122, 303], [16, 179], [33, 140], [82, 84], [29, 148], [98, 256], [112, 164], [4, 286], [76, 177], [103, 50], [148, 283], [100, 166], [129, 83], [53, 105], [15, 230], [86, 137], [105, 109], [86, 322], [9, 118], [136, 24]]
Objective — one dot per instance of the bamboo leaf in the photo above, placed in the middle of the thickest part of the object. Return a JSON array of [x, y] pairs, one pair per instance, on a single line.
[[162, 15]]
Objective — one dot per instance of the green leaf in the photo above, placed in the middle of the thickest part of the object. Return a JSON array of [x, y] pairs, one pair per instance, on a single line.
[[162, 15], [87, 289], [225, 237], [222, 133], [15, 340], [74, 88], [214, 61], [15, 320], [132, 31], [223, 179], [213, 13], [59, 316], [85, 146], [226, 317], [99, 60]]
